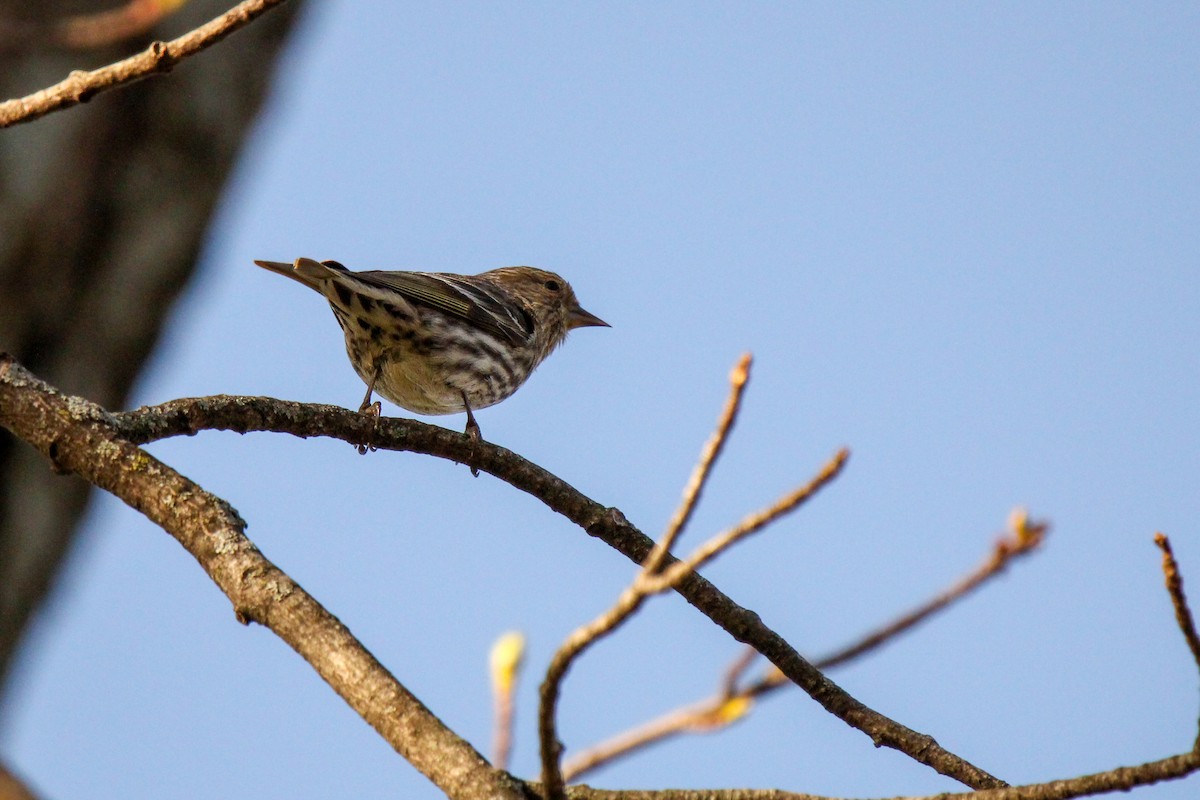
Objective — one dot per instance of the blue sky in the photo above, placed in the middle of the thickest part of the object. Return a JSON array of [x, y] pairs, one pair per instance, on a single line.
[[961, 239]]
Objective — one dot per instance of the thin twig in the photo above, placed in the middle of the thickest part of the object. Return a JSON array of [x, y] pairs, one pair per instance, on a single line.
[[705, 716], [655, 731], [1183, 614], [1023, 537], [160, 57], [734, 672], [752, 523], [648, 582], [738, 379], [549, 746]]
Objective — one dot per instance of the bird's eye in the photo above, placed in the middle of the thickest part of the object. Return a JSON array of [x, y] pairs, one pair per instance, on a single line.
[[553, 285]]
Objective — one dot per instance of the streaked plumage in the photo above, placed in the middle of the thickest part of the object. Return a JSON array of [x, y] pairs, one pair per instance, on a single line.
[[438, 343]]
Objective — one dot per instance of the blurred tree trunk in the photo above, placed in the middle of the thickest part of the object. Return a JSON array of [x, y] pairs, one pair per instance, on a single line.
[[103, 212]]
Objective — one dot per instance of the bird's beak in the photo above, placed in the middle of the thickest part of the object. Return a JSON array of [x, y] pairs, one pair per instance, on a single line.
[[578, 318]]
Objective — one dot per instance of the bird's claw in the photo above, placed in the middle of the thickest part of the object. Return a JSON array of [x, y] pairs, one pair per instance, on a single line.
[[373, 410]]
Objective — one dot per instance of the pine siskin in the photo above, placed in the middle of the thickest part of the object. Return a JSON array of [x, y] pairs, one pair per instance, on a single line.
[[436, 343]]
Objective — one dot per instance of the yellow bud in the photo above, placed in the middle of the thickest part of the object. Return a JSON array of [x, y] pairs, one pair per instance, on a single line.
[[506, 657], [730, 710], [734, 709], [1018, 521]]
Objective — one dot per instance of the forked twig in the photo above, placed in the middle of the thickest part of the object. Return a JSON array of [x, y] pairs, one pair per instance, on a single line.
[[656, 575], [750, 524], [649, 582]]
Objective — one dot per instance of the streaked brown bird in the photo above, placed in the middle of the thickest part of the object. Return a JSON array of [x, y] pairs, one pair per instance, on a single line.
[[437, 343]]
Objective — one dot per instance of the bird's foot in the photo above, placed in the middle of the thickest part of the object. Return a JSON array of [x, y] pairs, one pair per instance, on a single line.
[[372, 410], [473, 433]]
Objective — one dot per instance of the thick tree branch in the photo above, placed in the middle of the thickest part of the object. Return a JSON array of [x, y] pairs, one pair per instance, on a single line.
[[81, 438], [160, 57], [246, 414]]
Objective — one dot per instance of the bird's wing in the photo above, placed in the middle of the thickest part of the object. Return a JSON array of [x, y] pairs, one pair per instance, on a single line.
[[486, 307]]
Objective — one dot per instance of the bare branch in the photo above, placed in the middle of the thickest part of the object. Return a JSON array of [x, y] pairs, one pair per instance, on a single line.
[[649, 581], [245, 414], [653, 579], [1024, 536], [732, 701], [549, 747], [706, 715], [81, 438], [753, 523], [1183, 614], [738, 379], [160, 57]]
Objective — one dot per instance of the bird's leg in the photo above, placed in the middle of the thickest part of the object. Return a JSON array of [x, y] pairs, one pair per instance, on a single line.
[[373, 409], [472, 431], [472, 426]]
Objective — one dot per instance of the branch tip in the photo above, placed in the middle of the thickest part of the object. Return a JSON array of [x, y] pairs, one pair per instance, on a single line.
[[1174, 581], [738, 378], [741, 370]]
